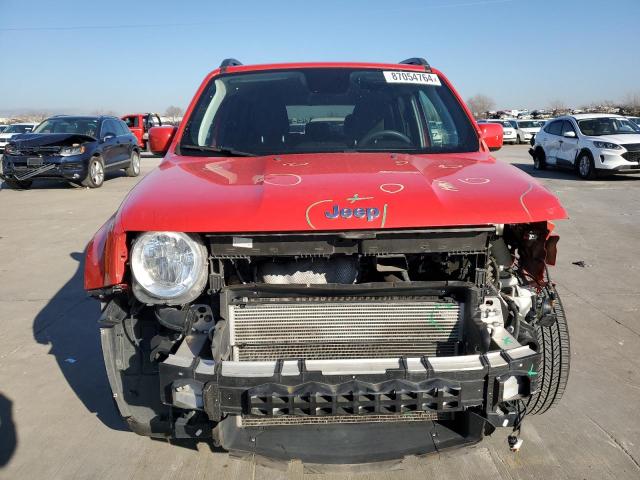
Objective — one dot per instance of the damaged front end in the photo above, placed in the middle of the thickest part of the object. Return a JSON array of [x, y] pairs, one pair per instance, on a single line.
[[344, 347], [59, 156]]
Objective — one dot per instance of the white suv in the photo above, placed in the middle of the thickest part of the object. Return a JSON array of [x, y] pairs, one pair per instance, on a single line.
[[527, 129], [589, 143], [508, 131]]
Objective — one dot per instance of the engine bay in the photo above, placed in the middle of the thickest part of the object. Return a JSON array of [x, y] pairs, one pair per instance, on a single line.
[[348, 295]]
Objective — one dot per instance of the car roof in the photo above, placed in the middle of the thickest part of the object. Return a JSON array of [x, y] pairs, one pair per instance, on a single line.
[[80, 116], [582, 116], [284, 66], [86, 117]]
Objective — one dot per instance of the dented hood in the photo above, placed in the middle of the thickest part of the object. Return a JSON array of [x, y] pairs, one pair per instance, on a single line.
[[50, 139], [340, 191]]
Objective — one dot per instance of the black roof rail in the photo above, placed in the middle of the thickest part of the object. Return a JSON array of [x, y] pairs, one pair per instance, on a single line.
[[417, 61], [229, 62]]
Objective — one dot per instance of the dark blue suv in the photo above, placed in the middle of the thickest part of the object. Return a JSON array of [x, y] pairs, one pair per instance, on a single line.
[[72, 148]]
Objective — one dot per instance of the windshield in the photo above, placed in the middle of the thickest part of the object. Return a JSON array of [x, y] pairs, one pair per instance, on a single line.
[[327, 110], [530, 124], [18, 128], [81, 126], [595, 127]]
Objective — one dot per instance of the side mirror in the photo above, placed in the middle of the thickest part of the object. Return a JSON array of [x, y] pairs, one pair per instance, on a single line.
[[108, 136], [491, 135], [569, 134], [160, 139]]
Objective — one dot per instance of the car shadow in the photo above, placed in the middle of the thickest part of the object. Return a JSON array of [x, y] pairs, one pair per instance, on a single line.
[[68, 324], [566, 174], [8, 436], [51, 184]]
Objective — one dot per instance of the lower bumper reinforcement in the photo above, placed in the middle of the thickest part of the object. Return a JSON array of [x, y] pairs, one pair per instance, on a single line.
[[323, 388]]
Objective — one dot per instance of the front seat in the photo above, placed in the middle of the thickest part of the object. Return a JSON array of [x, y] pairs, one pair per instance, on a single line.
[[270, 124], [371, 114]]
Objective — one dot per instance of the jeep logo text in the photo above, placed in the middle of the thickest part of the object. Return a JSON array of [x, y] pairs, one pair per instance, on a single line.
[[370, 213]]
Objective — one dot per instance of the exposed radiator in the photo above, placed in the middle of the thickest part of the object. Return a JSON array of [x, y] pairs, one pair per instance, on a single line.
[[344, 327]]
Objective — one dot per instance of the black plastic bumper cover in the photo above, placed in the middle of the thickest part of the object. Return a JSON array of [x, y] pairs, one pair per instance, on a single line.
[[353, 443], [465, 400]]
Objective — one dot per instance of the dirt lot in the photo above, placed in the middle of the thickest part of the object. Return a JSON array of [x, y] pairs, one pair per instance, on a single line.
[[58, 421]]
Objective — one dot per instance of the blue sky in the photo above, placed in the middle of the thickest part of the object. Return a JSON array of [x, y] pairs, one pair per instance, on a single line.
[[81, 56]]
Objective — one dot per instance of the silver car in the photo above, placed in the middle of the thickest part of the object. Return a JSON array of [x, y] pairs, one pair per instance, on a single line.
[[12, 130]]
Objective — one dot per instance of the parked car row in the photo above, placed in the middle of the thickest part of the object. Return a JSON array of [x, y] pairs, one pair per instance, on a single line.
[[590, 144], [78, 149], [11, 131], [516, 130]]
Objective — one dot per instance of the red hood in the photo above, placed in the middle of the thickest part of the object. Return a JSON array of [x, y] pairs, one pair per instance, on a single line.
[[301, 192]]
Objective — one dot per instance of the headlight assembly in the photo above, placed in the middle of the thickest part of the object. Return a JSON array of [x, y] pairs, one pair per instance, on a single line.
[[607, 145], [10, 149], [72, 150], [168, 267]]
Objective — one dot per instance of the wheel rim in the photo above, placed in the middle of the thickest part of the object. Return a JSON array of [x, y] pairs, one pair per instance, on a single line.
[[584, 166], [135, 163], [97, 173]]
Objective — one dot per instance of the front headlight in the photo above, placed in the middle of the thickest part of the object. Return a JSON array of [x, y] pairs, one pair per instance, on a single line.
[[10, 149], [607, 145], [168, 267], [72, 150]]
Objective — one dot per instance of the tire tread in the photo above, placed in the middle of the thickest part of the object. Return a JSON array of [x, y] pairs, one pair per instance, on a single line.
[[556, 356]]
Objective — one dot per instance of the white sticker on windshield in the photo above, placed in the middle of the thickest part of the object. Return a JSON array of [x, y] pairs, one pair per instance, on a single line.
[[412, 77], [242, 242]]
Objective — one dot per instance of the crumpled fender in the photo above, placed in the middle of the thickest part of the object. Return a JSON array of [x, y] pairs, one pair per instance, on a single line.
[[105, 257]]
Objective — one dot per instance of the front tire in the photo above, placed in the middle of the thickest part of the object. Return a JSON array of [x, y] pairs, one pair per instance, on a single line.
[[585, 167], [95, 173], [18, 185], [539, 160], [133, 170], [551, 381]]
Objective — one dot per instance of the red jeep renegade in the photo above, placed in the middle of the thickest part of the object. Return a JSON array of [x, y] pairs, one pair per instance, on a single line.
[[329, 265]]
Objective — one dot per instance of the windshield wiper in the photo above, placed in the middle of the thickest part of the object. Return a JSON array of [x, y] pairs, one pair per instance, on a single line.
[[231, 152]]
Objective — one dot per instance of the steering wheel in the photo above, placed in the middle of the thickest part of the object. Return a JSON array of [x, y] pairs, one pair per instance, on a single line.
[[370, 137]]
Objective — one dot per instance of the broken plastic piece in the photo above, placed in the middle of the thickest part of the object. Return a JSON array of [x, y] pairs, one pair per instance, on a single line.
[[581, 263]]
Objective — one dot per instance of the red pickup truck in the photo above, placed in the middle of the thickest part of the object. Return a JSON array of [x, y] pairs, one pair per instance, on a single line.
[[140, 123]]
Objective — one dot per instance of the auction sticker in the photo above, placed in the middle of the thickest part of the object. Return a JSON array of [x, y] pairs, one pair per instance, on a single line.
[[412, 77]]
